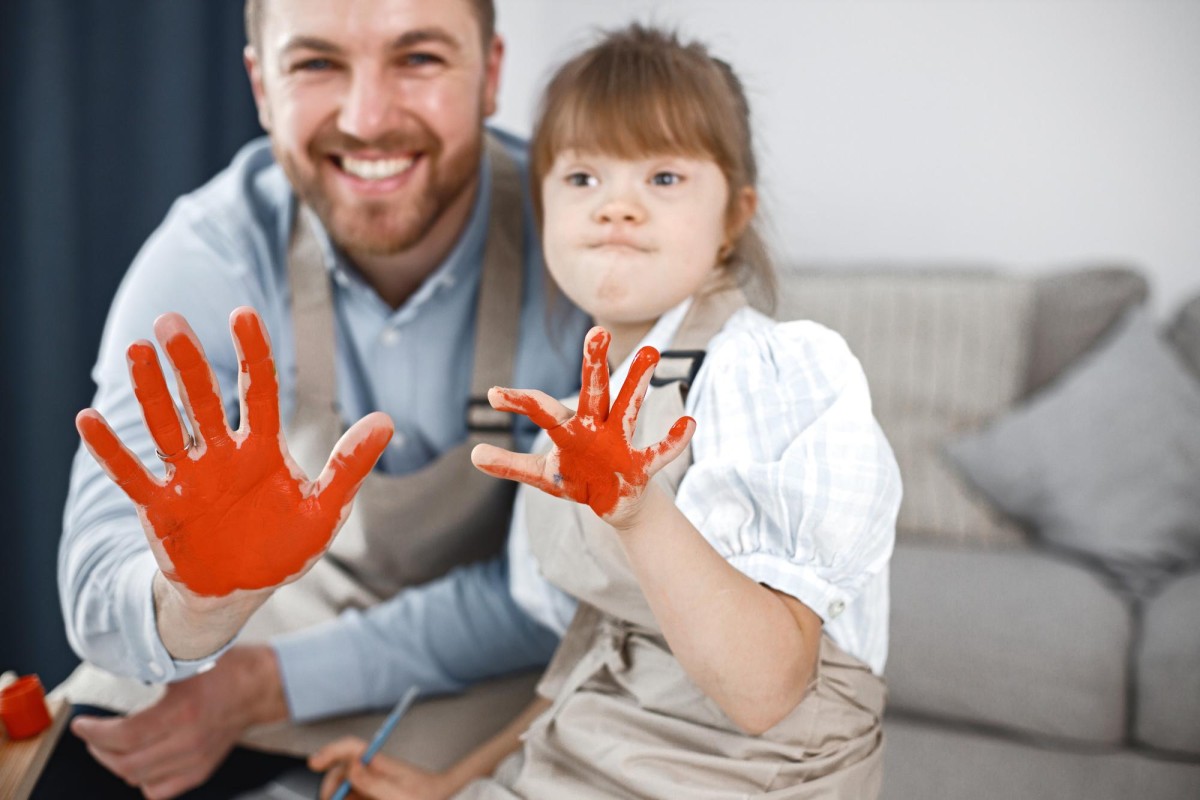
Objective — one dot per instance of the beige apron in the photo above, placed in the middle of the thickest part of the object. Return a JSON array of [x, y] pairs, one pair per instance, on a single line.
[[404, 529], [626, 721]]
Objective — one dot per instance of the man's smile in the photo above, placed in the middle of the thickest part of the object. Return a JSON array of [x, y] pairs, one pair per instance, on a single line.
[[374, 169]]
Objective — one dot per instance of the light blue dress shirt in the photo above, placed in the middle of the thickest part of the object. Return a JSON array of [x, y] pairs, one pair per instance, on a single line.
[[223, 246]]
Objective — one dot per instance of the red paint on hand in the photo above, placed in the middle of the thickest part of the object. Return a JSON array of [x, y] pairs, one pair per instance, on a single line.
[[593, 460], [235, 511]]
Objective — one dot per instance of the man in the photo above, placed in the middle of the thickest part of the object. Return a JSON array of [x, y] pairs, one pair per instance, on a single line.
[[390, 252]]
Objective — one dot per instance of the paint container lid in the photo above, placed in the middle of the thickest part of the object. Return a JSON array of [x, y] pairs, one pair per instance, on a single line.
[[23, 708]]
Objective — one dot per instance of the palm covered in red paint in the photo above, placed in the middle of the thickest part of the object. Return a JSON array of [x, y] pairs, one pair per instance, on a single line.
[[235, 512], [593, 460]]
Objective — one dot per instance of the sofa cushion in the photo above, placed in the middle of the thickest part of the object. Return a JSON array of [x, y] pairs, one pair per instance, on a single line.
[[1168, 668], [1072, 310], [1016, 638], [1184, 333], [1106, 460], [944, 351]]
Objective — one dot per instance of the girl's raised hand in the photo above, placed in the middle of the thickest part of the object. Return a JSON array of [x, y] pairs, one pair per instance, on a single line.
[[593, 460], [234, 511]]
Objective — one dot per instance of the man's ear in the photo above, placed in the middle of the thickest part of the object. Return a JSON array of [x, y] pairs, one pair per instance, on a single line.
[[254, 72], [494, 59]]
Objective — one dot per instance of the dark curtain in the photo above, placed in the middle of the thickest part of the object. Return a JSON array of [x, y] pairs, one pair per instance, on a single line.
[[111, 109]]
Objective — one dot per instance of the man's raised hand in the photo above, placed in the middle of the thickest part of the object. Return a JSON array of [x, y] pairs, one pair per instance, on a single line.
[[234, 511]]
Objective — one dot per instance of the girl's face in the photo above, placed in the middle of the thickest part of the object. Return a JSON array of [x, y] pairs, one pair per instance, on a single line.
[[627, 240]]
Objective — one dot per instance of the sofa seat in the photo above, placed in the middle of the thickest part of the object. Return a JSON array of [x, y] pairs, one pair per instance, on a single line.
[[924, 761], [1168, 707], [1011, 639]]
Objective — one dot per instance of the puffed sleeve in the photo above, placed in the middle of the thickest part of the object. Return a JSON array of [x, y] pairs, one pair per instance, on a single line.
[[793, 481]]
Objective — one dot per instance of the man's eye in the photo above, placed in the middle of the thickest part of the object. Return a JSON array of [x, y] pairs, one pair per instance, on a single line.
[[666, 178], [312, 65], [421, 59], [581, 179]]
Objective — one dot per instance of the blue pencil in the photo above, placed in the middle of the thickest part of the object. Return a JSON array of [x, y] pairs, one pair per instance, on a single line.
[[381, 736]]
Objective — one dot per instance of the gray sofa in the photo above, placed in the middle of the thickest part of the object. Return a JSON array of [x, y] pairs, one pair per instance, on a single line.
[[1028, 660]]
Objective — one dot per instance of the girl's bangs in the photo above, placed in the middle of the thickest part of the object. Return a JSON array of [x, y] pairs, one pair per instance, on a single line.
[[635, 115]]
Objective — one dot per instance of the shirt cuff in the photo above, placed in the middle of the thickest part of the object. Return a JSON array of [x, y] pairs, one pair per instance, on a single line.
[[320, 671], [824, 599], [135, 590]]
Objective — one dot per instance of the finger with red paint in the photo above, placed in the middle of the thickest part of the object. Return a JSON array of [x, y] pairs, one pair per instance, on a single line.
[[593, 460], [158, 408], [234, 512]]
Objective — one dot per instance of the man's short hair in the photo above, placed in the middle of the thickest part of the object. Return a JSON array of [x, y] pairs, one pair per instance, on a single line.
[[485, 12]]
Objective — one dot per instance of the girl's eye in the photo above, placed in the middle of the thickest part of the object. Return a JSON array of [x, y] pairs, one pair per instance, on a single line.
[[666, 179], [581, 179]]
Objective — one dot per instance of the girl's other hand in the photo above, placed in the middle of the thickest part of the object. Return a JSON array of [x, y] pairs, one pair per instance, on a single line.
[[593, 460], [382, 779]]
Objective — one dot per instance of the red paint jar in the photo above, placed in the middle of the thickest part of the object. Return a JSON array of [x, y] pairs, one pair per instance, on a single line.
[[23, 708]]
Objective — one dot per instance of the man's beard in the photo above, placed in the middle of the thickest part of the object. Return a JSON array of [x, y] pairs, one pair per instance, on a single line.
[[386, 227]]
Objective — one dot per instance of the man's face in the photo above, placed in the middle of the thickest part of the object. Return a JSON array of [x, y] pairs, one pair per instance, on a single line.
[[375, 110]]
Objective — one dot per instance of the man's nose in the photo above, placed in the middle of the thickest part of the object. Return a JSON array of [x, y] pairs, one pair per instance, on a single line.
[[369, 107]]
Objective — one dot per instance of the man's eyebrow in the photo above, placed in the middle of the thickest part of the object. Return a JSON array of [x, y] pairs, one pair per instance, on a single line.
[[424, 36], [403, 41], [309, 43]]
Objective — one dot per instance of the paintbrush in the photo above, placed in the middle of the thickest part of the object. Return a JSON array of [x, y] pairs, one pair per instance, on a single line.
[[381, 736]]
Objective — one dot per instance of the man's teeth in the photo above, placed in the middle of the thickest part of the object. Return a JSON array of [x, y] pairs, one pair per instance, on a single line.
[[375, 169]]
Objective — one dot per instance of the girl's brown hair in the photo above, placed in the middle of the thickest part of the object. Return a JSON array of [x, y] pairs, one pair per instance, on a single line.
[[641, 92]]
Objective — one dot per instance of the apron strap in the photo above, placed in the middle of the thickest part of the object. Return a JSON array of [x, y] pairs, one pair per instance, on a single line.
[[312, 316], [498, 313], [497, 322], [707, 315]]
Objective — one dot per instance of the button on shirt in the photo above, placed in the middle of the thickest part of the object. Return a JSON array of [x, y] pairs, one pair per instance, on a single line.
[[224, 246]]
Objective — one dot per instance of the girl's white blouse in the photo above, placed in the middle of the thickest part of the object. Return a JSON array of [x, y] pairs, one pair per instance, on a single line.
[[792, 480]]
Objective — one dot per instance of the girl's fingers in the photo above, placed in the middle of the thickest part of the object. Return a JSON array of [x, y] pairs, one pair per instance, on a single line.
[[633, 390], [523, 467], [352, 459], [371, 782], [593, 385], [332, 780], [197, 384], [542, 409], [348, 748], [258, 385], [158, 407], [117, 460], [667, 450]]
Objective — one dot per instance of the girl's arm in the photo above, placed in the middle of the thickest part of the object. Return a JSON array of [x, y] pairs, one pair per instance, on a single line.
[[750, 648], [386, 778]]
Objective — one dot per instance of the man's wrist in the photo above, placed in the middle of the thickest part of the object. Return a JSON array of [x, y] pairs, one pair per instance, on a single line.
[[256, 669], [193, 627]]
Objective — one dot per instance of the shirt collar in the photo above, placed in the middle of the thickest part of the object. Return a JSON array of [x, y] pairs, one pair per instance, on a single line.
[[659, 337]]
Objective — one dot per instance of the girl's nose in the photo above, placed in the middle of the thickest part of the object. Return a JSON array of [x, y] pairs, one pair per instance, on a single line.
[[620, 208]]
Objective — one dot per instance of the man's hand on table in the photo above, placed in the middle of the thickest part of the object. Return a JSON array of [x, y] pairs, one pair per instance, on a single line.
[[175, 744]]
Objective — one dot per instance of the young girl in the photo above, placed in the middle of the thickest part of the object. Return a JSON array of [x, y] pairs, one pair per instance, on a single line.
[[723, 595]]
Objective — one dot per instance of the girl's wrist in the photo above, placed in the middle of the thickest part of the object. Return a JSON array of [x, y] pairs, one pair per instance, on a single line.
[[642, 512]]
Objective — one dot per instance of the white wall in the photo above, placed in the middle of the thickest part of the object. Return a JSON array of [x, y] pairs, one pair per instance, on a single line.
[[1024, 133]]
